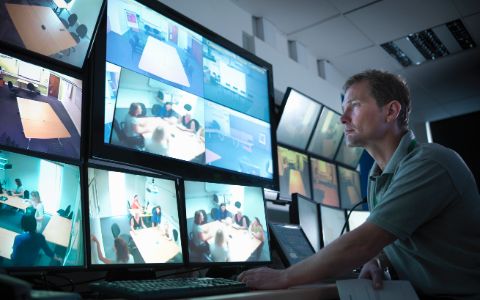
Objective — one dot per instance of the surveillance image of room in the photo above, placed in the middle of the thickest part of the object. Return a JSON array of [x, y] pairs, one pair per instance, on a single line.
[[133, 219], [349, 155], [135, 37], [61, 29], [225, 223], [350, 191], [234, 82], [41, 109], [40, 212], [327, 135], [293, 173], [236, 141], [324, 182], [153, 117]]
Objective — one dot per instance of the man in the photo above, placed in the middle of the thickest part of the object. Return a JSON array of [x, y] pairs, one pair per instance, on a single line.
[[424, 204]]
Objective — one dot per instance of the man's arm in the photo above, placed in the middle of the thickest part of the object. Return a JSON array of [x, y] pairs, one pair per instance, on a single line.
[[341, 256]]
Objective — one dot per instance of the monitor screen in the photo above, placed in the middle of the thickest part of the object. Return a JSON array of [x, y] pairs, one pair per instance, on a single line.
[[294, 176], [292, 241], [327, 134], [350, 191], [324, 182], [174, 95], [333, 220], [134, 218], [309, 219], [357, 218], [41, 221], [41, 109], [349, 156], [300, 113], [226, 223], [61, 30]]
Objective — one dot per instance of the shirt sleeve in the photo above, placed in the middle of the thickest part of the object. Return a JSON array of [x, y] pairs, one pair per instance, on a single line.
[[417, 193]]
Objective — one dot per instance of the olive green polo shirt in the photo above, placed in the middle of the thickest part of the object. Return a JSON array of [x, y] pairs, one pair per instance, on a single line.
[[427, 197]]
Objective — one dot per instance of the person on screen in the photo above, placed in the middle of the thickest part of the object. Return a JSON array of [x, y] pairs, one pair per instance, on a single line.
[[240, 220], [424, 204], [122, 255], [200, 234], [219, 250], [222, 214], [27, 245], [136, 222], [156, 216], [166, 111], [187, 122], [39, 209], [256, 229], [134, 127], [135, 203], [159, 142], [19, 188]]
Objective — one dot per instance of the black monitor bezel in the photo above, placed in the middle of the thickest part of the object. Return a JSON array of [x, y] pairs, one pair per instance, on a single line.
[[112, 166], [64, 65], [295, 214], [57, 269], [84, 112], [221, 264], [98, 149]]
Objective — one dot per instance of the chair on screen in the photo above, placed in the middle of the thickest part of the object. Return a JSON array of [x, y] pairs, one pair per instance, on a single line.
[[13, 90], [72, 20], [32, 90], [137, 142]]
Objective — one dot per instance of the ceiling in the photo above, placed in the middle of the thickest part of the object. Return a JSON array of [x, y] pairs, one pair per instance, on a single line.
[[348, 34]]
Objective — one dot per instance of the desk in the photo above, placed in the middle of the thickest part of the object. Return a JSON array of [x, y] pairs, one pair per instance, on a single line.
[[7, 237], [58, 230], [241, 243], [154, 247], [141, 212], [40, 29], [40, 121], [162, 60], [16, 202]]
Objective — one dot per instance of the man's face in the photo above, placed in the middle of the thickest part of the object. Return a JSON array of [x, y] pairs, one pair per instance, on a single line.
[[364, 121]]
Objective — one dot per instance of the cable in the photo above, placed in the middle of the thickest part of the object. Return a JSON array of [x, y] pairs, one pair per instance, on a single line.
[[349, 213]]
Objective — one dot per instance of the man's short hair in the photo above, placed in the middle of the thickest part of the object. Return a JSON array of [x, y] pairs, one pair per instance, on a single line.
[[29, 223], [385, 87]]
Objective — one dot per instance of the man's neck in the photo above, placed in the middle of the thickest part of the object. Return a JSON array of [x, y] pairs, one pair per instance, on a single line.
[[382, 150]]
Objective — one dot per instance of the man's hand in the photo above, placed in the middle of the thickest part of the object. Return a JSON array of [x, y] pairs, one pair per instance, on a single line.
[[264, 278], [372, 270]]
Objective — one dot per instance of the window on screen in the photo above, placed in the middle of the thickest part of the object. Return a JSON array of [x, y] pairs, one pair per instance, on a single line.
[[293, 172], [324, 182]]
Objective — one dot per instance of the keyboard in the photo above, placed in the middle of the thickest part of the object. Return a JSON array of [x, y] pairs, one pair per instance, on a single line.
[[168, 288]]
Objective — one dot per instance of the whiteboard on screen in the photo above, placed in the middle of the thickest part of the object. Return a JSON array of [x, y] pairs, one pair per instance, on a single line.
[[29, 71]]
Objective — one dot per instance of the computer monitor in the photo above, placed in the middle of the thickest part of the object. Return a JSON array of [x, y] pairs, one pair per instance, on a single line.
[[41, 108], [42, 209], [180, 96], [134, 218], [357, 218], [292, 242], [226, 224], [298, 117], [327, 134], [333, 220], [350, 191], [294, 174], [306, 212], [349, 156], [58, 30], [324, 182]]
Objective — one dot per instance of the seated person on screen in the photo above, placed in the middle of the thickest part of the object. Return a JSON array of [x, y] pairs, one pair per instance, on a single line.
[[166, 111], [136, 222], [219, 250], [27, 245], [39, 209], [423, 200], [256, 230], [135, 203], [187, 122], [240, 221], [159, 142], [19, 189], [222, 214], [200, 234], [134, 124], [122, 254]]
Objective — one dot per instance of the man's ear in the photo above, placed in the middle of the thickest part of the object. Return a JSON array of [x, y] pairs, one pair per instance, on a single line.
[[393, 110]]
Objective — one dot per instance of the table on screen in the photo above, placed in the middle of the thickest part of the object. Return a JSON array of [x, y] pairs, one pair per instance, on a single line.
[[7, 237], [153, 246], [40, 28], [16, 202], [58, 230]]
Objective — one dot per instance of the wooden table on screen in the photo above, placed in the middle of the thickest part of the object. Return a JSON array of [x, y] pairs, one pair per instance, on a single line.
[[241, 243], [58, 230], [7, 237], [40, 29], [40, 121], [142, 213], [296, 182], [162, 60], [16, 202], [153, 246]]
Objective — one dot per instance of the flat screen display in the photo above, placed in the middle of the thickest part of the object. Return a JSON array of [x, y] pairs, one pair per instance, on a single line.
[[292, 241], [309, 219], [41, 109], [294, 176], [349, 156], [226, 223], [350, 190], [134, 219], [357, 218], [172, 92], [60, 29], [324, 182], [333, 220], [300, 113], [41, 221], [327, 134]]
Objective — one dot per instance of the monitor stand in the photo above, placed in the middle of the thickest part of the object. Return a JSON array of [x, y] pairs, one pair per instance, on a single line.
[[130, 274]]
